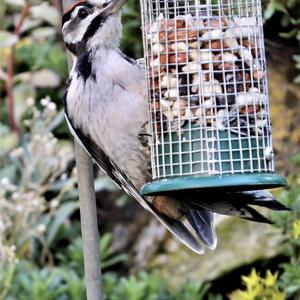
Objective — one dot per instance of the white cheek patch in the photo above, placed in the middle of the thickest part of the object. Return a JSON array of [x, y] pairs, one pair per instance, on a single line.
[[76, 34]]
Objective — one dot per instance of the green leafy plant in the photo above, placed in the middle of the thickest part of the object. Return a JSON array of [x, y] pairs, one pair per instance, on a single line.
[[287, 284], [289, 12], [33, 61], [31, 283], [297, 60], [145, 286], [290, 224], [74, 254], [25, 281]]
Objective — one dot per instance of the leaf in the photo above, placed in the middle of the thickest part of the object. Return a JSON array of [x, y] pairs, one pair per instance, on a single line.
[[43, 32], [15, 2], [296, 58], [278, 6], [46, 13], [23, 76], [61, 215], [269, 11], [22, 91], [105, 183], [59, 118], [113, 261], [45, 78], [297, 79], [29, 24], [288, 35], [7, 39], [8, 142]]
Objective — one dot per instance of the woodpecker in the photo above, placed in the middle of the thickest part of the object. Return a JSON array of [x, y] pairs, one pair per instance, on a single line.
[[106, 107]]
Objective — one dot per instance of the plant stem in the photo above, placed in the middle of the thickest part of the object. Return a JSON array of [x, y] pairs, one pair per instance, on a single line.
[[9, 91], [8, 283], [57, 5], [10, 72]]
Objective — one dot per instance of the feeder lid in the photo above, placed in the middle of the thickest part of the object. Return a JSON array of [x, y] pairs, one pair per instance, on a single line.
[[255, 181]]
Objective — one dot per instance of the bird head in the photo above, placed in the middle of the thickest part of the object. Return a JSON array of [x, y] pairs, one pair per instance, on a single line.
[[91, 24]]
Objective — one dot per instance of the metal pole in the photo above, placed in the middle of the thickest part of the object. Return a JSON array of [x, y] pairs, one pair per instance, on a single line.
[[89, 224], [88, 215]]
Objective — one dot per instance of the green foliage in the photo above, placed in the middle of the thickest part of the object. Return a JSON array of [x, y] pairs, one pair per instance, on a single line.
[[145, 286], [287, 285], [35, 51], [31, 283], [290, 16], [290, 279], [74, 254], [64, 281], [40, 245], [297, 60], [27, 282], [289, 12], [43, 55], [132, 38], [29, 172], [290, 224]]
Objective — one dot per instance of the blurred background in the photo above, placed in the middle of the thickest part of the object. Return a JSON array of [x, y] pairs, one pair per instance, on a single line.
[[40, 239]]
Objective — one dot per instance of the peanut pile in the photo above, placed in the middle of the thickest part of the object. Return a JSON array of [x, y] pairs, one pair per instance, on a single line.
[[209, 72]]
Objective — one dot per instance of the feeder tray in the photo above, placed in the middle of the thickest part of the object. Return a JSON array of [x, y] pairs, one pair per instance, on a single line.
[[208, 97], [197, 155]]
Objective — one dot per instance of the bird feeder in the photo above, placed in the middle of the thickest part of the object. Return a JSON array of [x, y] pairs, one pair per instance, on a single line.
[[208, 96]]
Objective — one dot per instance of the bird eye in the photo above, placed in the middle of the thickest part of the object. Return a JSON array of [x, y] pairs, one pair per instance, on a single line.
[[82, 13]]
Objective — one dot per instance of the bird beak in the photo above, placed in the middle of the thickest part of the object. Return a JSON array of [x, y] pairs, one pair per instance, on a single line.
[[113, 6]]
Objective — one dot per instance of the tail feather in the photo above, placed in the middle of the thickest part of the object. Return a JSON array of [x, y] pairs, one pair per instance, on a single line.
[[265, 199], [238, 204], [179, 230], [256, 216], [235, 210], [202, 221], [200, 214]]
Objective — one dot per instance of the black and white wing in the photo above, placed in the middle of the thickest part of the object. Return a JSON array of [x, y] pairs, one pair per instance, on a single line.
[[104, 162]]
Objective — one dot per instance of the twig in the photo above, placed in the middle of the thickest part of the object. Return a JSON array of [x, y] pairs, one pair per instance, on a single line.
[[9, 91], [57, 4], [23, 16], [10, 72]]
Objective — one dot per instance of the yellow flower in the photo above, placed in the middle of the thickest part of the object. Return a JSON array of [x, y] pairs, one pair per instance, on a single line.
[[279, 296], [271, 279], [296, 229], [259, 288], [252, 280]]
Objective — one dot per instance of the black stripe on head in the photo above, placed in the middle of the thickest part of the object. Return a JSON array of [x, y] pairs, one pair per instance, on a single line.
[[94, 26], [67, 16]]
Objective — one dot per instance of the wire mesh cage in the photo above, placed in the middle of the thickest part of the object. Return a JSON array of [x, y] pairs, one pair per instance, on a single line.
[[208, 95]]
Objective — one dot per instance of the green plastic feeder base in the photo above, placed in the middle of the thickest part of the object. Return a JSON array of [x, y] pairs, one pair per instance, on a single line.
[[240, 182], [241, 161]]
